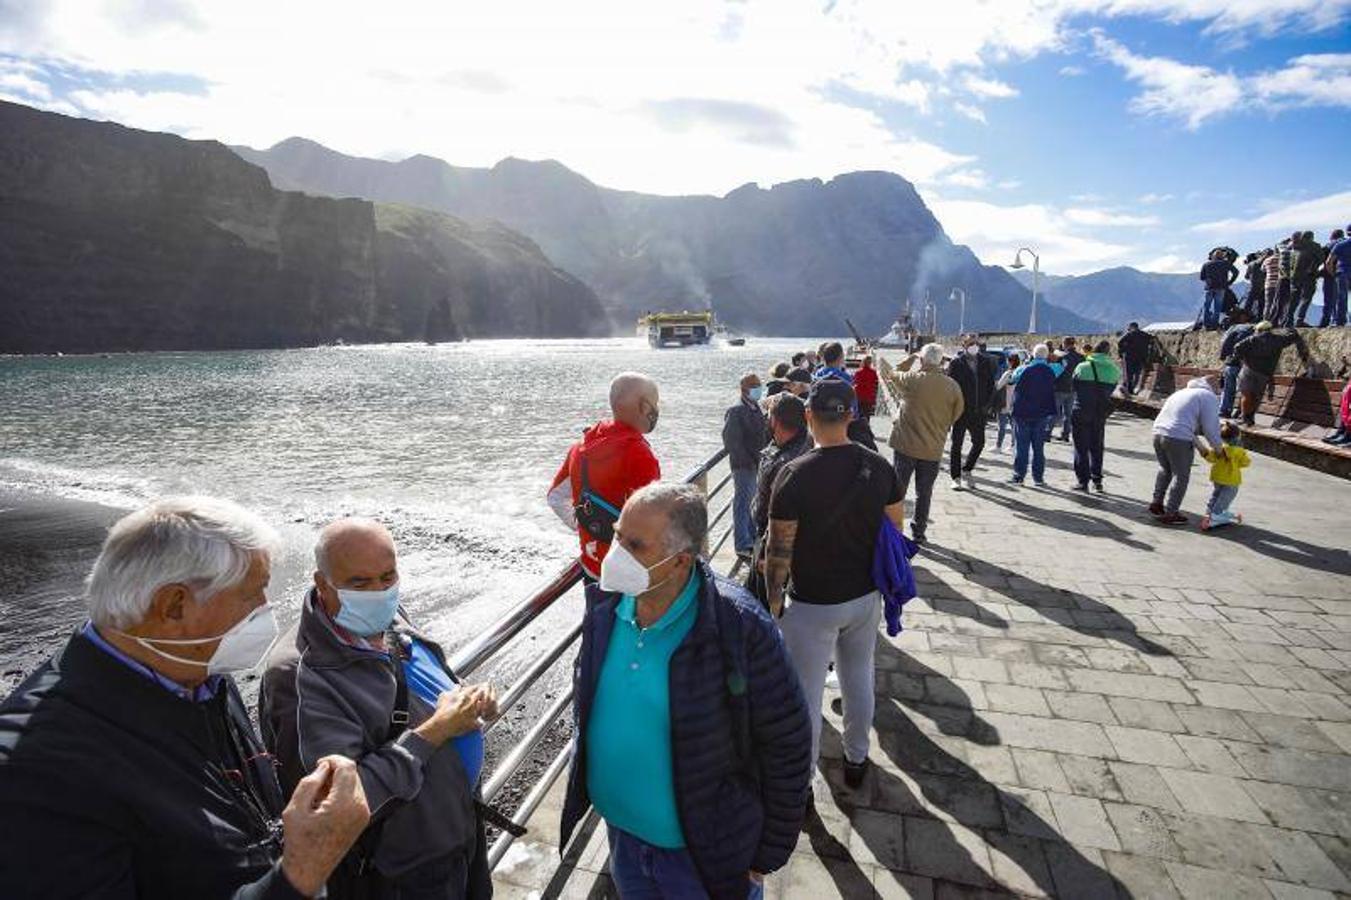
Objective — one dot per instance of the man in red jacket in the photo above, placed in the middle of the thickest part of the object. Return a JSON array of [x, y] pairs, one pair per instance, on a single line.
[[865, 386], [610, 462]]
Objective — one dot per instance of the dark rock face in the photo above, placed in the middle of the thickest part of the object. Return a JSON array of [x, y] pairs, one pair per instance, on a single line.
[[794, 259], [117, 239], [1122, 294]]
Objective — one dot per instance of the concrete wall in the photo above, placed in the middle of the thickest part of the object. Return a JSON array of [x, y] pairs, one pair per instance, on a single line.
[[1330, 348]]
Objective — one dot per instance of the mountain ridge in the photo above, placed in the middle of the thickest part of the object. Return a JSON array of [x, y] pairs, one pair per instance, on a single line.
[[1122, 294], [794, 258], [112, 238]]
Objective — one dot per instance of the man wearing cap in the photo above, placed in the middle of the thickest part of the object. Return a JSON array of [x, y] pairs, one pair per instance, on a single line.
[[825, 511], [1259, 355], [929, 403]]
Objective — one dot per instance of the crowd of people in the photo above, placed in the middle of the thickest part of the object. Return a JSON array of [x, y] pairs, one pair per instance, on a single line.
[[130, 767], [1282, 282]]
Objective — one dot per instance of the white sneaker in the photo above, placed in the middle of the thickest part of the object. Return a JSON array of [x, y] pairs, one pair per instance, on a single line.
[[957, 484], [970, 483], [832, 680]]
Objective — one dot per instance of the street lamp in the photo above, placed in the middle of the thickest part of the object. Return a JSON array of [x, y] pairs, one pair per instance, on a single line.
[[1036, 274], [961, 327]]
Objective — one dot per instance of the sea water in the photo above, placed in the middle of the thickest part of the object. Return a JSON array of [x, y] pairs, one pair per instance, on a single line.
[[453, 446]]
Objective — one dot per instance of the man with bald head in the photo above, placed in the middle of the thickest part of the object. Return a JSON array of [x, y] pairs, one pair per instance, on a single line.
[[354, 673], [744, 435], [611, 461]]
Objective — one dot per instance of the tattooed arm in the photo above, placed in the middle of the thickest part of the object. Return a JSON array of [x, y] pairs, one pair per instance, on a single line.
[[778, 561]]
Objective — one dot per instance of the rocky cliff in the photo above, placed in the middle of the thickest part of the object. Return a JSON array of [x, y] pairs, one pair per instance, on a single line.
[[117, 239], [793, 259]]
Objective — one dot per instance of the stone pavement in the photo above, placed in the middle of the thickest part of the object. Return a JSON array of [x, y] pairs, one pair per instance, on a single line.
[[1088, 704]]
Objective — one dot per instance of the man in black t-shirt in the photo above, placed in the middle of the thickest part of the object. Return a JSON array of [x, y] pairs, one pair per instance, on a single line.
[[824, 514]]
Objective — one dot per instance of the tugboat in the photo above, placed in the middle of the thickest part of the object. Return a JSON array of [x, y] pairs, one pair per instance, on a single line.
[[682, 329]]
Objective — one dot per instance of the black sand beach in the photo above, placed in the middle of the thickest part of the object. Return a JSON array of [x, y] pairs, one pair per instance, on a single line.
[[46, 547]]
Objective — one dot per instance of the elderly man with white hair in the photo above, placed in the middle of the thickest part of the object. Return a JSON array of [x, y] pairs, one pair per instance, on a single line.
[[691, 736], [128, 765], [610, 462], [930, 402], [1034, 407], [355, 677]]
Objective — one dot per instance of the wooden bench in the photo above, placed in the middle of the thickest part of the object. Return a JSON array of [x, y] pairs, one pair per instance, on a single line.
[[1293, 418]]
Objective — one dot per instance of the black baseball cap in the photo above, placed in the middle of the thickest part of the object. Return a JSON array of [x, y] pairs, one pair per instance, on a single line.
[[800, 375], [831, 395]]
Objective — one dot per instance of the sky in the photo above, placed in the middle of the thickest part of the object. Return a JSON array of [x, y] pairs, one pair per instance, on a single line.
[[1096, 132]]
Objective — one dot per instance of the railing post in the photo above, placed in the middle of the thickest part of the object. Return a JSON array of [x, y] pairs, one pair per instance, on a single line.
[[701, 483]]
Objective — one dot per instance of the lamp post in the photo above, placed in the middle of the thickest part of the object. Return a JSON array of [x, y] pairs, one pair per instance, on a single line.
[[1036, 275], [956, 293]]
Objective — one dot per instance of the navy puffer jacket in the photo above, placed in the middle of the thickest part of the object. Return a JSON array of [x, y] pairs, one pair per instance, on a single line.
[[739, 728]]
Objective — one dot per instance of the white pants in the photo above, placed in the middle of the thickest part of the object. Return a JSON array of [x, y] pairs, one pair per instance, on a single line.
[[816, 632]]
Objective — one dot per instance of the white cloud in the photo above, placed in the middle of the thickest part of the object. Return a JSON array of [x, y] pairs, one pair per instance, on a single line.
[[1171, 88], [1314, 80], [1152, 198], [1320, 214], [989, 88], [995, 232], [972, 112], [1199, 93], [1170, 263], [1108, 219], [1072, 71], [968, 178]]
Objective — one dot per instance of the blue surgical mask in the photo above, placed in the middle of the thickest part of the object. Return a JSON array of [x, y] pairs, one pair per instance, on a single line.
[[367, 613], [756, 393]]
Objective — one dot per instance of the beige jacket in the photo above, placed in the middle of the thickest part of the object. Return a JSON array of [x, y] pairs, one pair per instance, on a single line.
[[929, 403]]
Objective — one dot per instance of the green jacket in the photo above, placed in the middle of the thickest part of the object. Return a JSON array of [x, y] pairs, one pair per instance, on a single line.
[[1107, 371]]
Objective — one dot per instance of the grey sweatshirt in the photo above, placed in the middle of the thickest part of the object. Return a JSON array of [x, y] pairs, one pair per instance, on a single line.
[[1191, 411]]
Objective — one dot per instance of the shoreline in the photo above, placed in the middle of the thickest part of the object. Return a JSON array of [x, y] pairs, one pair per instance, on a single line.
[[47, 544]]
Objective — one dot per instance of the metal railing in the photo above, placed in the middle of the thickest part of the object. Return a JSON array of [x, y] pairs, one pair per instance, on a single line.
[[479, 651]]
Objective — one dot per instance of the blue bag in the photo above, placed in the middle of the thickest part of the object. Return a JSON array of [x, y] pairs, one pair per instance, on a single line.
[[892, 575]]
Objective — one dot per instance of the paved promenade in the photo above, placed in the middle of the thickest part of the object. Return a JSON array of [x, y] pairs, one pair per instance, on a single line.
[[1087, 704]]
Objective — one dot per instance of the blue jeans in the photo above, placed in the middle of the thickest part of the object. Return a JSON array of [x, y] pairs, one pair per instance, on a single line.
[[1064, 405], [1214, 305], [1230, 386], [743, 526], [1005, 425], [644, 872], [1030, 433], [1343, 281], [1220, 498]]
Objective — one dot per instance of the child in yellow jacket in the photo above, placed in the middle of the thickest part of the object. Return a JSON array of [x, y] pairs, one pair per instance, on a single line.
[[1226, 473]]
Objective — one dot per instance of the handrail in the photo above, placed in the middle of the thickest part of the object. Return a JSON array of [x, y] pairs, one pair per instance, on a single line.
[[478, 651]]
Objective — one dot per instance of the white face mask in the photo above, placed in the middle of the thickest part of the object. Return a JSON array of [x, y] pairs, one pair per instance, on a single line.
[[623, 574], [243, 647], [972, 349]]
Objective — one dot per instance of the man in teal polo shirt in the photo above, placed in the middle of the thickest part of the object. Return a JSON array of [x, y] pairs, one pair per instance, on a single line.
[[692, 737]]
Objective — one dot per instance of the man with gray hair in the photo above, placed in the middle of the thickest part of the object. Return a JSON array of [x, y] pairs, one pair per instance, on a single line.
[[678, 664], [128, 764], [610, 462], [355, 677]]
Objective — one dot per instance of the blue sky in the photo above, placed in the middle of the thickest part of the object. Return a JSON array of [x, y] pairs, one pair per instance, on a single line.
[[1100, 132]]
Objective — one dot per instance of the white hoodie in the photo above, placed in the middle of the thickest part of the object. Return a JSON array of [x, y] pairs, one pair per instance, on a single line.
[[1191, 411]]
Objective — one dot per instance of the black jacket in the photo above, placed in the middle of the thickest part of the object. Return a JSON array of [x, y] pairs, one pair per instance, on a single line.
[[111, 786], [1235, 334], [744, 434], [741, 739], [772, 459], [1134, 346], [1064, 382], [1262, 352], [977, 386]]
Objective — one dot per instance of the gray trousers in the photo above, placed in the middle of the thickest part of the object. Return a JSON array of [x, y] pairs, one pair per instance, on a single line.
[[816, 632], [1175, 465]]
